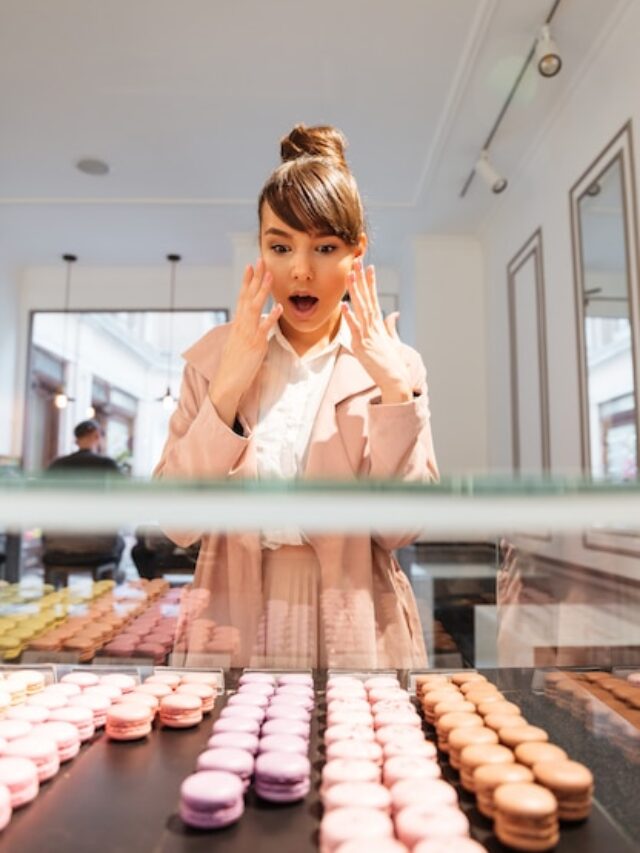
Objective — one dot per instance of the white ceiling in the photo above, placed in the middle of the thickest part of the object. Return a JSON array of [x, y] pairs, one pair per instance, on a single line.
[[187, 101]]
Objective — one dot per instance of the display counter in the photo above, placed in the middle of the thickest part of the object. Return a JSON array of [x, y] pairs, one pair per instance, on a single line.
[[124, 796]]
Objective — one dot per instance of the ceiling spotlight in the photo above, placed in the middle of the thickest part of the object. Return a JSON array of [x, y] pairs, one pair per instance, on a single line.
[[92, 166], [547, 57], [493, 179]]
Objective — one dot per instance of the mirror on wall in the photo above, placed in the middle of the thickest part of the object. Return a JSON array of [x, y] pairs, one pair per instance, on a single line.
[[605, 259], [527, 334]]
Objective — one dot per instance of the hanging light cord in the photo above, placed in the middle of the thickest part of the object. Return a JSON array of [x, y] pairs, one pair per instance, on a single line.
[[173, 260], [509, 98]]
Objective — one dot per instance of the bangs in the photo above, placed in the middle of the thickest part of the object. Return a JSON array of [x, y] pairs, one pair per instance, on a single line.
[[315, 199]]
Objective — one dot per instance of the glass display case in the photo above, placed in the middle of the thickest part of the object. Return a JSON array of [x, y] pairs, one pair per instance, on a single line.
[[521, 585]]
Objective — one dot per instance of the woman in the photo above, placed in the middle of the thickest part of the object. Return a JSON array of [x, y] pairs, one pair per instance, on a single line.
[[315, 388]]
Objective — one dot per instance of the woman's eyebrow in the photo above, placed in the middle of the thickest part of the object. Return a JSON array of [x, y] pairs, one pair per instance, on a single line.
[[278, 232]]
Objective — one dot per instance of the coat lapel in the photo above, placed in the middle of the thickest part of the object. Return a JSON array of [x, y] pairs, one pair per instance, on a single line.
[[331, 435]]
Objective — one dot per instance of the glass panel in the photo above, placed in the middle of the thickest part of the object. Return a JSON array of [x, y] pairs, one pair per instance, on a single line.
[[608, 339]]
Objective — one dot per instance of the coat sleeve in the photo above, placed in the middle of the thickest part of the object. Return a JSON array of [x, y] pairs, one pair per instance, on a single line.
[[199, 445], [401, 444]]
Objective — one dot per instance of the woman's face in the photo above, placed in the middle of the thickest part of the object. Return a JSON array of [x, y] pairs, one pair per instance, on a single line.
[[309, 276]]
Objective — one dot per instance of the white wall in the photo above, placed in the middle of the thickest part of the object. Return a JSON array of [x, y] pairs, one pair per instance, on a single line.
[[604, 98], [450, 335]]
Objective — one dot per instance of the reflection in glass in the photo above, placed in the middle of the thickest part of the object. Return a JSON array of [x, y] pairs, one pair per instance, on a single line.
[[607, 328]]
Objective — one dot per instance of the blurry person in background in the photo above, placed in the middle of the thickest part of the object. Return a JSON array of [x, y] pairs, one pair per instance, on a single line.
[[88, 435]]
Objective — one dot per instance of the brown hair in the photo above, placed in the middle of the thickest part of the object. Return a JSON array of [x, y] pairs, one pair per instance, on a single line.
[[313, 189]]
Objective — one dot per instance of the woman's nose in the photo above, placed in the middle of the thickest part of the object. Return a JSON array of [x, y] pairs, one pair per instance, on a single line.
[[302, 268]]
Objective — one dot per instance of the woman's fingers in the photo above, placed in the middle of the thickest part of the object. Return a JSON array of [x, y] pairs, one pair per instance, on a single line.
[[372, 292], [351, 320], [357, 303], [391, 323], [267, 323]]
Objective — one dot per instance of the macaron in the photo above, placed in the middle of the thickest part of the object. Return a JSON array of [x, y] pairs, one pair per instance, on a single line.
[[256, 699], [98, 705], [211, 799], [5, 806], [236, 761], [341, 825], [180, 711], [460, 678], [287, 711], [235, 724], [478, 754], [459, 738], [20, 777], [42, 751], [449, 845], [435, 793], [48, 700], [348, 770], [487, 778], [65, 736], [409, 767], [570, 782], [251, 712], [419, 823], [128, 721], [399, 734], [28, 713], [301, 699], [282, 777], [12, 729], [512, 736], [286, 727], [417, 749], [234, 740], [81, 718], [125, 683], [533, 753], [204, 692], [172, 679], [303, 678], [209, 678], [283, 743], [361, 750], [261, 688], [82, 679], [248, 677], [368, 795], [526, 816], [348, 732]]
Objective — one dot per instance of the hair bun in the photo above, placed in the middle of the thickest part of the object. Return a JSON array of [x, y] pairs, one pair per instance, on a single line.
[[319, 141]]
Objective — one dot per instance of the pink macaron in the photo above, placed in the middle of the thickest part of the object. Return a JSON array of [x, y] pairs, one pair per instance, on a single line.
[[65, 736], [42, 751], [341, 825], [12, 729], [180, 711], [128, 721], [348, 770], [410, 767], [283, 743], [236, 724], [98, 705], [251, 712], [362, 750], [81, 718], [286, 727], [282, 777], [5, 806], [255, 699], [368, 795], [82, 679], [416, 824], [20, 776], [434, 793]]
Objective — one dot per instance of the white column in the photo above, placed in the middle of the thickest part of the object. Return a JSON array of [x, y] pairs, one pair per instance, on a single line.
[[450, 333]]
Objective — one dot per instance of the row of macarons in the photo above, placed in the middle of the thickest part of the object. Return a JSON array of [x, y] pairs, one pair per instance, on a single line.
[[525, 784], [260, 737], [608, 706], [381, 786], [88, 629], [46, 730]]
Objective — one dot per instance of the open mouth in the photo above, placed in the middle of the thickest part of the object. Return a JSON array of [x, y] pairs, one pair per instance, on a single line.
[[303, 304]]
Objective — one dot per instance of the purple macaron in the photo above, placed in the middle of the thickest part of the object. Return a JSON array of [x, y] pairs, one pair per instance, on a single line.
[[294, 690], [283, 743], [234, 740], [286, 727], [211, 799], [285, 711], [282, 777], [256, 678], [255, 699], [251, 712], [304, 678], [299, 699], [261, 687], [236, 724], [235, 761]]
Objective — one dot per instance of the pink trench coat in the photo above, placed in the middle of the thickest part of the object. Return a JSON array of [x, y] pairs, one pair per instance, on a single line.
[[361, 589]]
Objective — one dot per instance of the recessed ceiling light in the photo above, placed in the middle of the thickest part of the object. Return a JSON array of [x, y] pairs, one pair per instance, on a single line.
[[92, 166]]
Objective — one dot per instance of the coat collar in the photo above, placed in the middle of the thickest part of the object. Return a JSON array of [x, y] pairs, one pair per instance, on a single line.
[[347, 378]]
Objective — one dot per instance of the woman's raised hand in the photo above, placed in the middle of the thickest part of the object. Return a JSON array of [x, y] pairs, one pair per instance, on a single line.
[[246, 345], [375, 341]]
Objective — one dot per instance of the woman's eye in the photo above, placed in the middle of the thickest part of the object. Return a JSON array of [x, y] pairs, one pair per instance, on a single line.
[[279, 249], [327, 249]]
